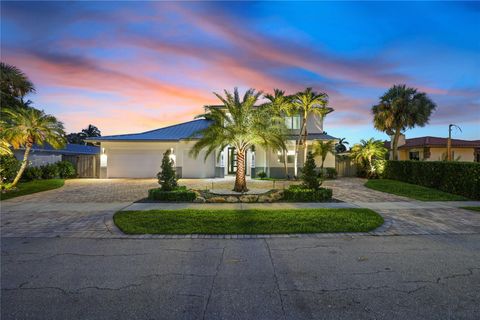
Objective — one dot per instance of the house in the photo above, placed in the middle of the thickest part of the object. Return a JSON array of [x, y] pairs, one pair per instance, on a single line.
[[84, 158], [139, 155], [435, 149]]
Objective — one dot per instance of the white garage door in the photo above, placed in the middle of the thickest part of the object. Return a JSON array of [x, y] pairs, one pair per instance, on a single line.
[[134, 163], [198, 167]]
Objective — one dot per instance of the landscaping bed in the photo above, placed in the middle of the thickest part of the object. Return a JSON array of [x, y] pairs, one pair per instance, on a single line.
[[193, 221], [472, 208], [24, 188], [413, 191]]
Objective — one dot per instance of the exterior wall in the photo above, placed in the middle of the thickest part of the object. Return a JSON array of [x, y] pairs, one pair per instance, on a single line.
[[37, 159], [438, 154]]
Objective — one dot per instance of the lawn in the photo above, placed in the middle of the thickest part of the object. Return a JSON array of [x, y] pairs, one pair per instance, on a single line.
[[24, 188], [412, 190], [472, 208], [196, 221]]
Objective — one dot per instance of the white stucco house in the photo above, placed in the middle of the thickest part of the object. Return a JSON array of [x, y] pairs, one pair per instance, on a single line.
[[139, 155]]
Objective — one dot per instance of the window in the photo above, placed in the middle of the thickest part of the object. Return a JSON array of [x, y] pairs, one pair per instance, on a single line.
[[477, 157], [414, 155], [290, 157], [293, 123]]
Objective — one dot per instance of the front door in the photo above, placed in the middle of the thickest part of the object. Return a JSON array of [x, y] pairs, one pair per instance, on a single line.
[[232, 160]]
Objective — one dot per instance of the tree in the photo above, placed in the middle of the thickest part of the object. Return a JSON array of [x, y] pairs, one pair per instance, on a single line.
[[280, 105], [309, 176], [91, 131], [322, 148], [30, 126], [14, 85], [167, 178], [239, 124], [365, 152], [399, 109], [308, 103], [79, 138], [341, 145]]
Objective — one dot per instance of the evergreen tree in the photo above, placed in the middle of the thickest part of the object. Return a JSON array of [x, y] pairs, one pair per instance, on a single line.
[[167, 178], [309, 176]]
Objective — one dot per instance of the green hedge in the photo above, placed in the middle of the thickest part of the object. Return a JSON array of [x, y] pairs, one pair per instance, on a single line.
[[462, 178], [62, 169], [297, 193], [181, 194]]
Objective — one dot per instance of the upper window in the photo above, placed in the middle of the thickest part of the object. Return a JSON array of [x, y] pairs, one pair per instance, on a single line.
[[293, 123], [414, 155]]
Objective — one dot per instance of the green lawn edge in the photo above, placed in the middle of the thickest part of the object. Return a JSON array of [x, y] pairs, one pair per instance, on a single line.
[[30, 187], [255, 221], [477, 209], [413, 191]]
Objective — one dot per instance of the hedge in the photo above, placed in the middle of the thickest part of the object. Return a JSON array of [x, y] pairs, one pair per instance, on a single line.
[[62, 169], [181, 194], [462, 178], [298, 193]]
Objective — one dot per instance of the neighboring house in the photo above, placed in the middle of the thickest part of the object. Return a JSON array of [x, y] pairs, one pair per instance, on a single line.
[[435, 149], [139, 155], [84, 158]]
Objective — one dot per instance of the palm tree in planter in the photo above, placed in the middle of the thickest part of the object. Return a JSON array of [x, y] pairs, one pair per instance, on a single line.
[[365, 152], [241, 125], [322, 149], [308, 103], [29, 126], [401, 108]]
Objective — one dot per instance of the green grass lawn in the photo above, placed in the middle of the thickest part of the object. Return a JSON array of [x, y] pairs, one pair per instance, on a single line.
[[472, 208], [195, 221], [24, 188], [411, 190]]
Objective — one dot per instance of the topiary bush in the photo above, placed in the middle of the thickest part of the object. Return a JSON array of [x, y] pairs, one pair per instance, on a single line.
[[262, 175], [50, 171], [462, 178], [66, 170], [167, 178], [309, 175], [298, 193], [9, 166], [179, 194]]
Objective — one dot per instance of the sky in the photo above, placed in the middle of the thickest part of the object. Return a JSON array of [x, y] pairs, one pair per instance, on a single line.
[[135, 66]]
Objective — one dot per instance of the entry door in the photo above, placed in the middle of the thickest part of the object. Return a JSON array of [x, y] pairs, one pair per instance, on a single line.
[[232, 160]]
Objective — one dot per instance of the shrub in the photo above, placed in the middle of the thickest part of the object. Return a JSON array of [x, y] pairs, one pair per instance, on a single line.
[[462, 178], [167, 178], [302, 194], [262, 175], [179, 194], [50, 171], [32, 173], [9, 166], [331, 173], [309, 176], [66, 169]]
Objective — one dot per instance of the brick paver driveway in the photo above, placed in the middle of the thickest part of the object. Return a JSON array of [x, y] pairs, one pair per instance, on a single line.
[[84, 208]]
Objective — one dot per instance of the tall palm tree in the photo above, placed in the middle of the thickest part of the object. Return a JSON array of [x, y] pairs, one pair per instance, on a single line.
[[322, 149], [14, 85], [92, 131], [401, 108], [365, 152], [240, 125], [280, 105], [30, 126], [308, 103], [341, 145], [5, 148]]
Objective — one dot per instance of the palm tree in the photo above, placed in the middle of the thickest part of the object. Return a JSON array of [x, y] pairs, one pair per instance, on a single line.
[[5, 148], [280, 105], [401, 108], [365, 152], [341, 145], [308, 103], [322, 148], [92, 131], [241, 125], [30, 126], [14, 85]]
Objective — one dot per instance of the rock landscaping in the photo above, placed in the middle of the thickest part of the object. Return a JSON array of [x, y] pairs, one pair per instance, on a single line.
[[210, 197]]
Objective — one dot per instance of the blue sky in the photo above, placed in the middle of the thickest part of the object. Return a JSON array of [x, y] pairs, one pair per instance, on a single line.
[[134, 66]]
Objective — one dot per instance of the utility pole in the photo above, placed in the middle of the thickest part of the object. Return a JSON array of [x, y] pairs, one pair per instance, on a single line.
[[449, 141]]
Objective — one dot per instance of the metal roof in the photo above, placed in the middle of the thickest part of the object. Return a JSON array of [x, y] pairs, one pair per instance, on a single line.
[[314, 136], [175, 132], [72, 149]]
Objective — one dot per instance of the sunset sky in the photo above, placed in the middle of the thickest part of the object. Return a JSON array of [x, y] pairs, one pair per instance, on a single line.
[[129, 67]]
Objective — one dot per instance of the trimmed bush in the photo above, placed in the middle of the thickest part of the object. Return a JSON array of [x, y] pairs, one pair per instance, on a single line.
[[66, 169], [9, 166], [298, 193], [50, 171], [32, 173], [309, 176], [462, 178], [261, 175], [331, 173], [167, 178], [180, 194]]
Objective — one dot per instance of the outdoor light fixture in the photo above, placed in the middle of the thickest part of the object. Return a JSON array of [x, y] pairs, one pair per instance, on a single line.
[[253, 159], [172, 156], [103, 159], [222, 159]]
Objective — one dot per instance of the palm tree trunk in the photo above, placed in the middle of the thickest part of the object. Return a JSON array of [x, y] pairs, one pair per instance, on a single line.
[[285, 164], [28, 147], [240, 181], [297, 144], [395, 145], [305, 145]]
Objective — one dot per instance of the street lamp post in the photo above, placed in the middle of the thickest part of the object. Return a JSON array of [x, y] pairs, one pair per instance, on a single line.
[[449, 141]]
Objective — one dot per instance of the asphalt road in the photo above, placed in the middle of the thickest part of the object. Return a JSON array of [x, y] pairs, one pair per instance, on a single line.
[[401, 277]]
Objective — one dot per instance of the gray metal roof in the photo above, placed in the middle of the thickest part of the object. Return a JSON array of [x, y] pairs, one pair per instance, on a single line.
[[70, 149], [314, 136], [176, 132]]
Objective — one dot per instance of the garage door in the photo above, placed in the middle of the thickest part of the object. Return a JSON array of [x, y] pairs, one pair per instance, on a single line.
[[134, 163], [198, 167]]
